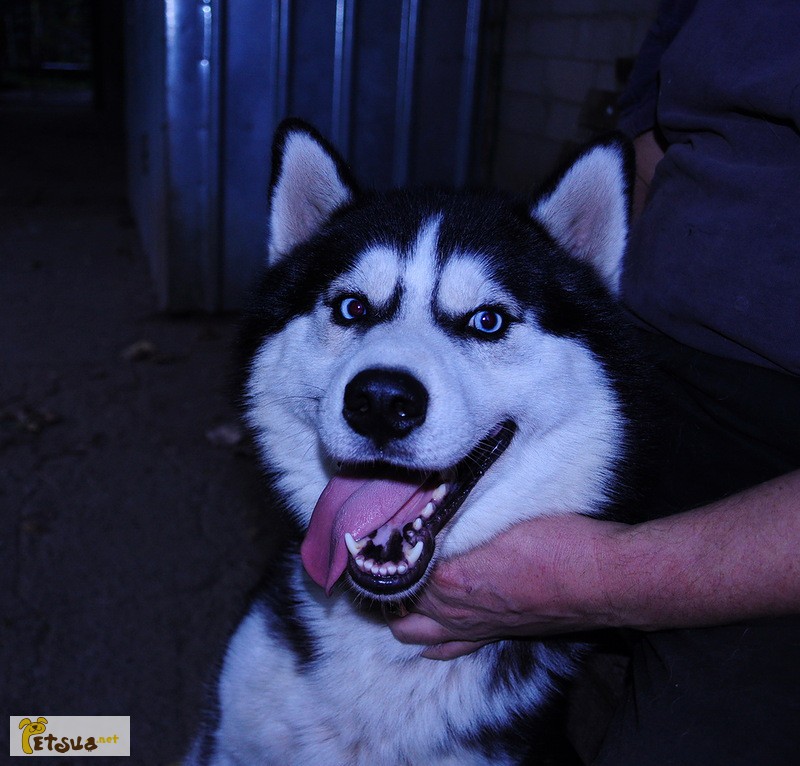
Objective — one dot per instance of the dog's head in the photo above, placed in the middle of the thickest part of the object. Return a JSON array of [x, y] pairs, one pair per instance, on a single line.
[[426, 369]]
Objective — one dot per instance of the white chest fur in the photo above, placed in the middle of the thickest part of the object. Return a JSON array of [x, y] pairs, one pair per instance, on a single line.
[[363, 699]]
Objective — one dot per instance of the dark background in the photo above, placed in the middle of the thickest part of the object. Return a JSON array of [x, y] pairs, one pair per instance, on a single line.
[[131, 528]]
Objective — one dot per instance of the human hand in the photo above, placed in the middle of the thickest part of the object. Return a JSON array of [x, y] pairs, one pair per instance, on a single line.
[[540, 577]]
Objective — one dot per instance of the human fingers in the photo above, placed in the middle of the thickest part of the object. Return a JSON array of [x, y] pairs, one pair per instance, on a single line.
[[450, 650], [416, 628]]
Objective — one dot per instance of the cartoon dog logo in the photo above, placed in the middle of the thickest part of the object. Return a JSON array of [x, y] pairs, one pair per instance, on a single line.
[[29, 728]]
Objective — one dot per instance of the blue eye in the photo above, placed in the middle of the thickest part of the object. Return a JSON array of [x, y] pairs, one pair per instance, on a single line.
[[351, 309], [487, 322]]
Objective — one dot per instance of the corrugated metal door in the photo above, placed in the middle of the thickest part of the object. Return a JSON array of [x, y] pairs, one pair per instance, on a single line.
[[393, 83]]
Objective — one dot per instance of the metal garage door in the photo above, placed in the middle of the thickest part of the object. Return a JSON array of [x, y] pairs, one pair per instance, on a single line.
[[396, 84]]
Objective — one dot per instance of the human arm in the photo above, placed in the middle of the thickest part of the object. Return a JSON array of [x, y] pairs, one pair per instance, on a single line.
[[648, 151], [732, 560]]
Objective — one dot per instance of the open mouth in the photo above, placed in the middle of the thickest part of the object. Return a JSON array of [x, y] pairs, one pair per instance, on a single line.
[[382, 529]]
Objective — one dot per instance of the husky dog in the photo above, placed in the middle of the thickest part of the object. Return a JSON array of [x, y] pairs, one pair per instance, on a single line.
[[424, 369]]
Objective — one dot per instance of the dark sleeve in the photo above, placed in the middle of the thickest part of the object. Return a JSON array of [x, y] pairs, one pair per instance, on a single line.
[[637, 104]]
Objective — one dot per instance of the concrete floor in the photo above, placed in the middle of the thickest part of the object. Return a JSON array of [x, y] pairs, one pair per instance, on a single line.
[[129, 537]]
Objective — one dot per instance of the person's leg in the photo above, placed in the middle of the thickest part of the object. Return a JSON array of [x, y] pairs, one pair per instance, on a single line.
[[715, 697], [725, 695]]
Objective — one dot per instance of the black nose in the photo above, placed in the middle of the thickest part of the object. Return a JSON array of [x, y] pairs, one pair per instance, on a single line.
[[384, 404]]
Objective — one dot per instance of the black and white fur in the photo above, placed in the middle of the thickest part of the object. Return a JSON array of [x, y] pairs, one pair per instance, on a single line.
[[315, 679]]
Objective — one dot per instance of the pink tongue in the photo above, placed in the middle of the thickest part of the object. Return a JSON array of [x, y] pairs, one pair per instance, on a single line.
[[357, 506]]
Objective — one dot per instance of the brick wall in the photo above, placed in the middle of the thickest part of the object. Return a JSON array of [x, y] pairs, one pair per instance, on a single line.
[[560, 73]]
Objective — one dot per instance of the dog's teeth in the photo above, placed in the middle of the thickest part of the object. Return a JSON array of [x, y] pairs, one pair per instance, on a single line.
[[417, 524], [352, 545], [439, 493], [383, 568], [428, 510], [416, 552]]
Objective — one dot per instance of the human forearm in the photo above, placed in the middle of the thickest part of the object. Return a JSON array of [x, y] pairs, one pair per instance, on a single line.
[[649, 153], [735, 559]]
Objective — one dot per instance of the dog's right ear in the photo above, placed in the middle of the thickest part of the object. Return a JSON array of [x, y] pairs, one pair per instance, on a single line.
[[309, 182]]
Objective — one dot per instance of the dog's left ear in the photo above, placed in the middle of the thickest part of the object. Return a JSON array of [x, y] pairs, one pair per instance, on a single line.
[[587, 210], [309, 182]]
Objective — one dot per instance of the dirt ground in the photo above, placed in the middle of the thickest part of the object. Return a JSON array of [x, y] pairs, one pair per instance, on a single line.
[[131, 526]]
